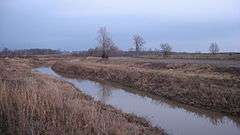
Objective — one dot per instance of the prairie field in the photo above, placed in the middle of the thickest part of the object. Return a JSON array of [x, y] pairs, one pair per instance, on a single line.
[[36, 103], [31, 103], [208, 84], [119, 67]]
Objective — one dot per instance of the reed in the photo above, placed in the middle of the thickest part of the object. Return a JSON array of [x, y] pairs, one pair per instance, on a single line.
[[198, 85], [31, 103]]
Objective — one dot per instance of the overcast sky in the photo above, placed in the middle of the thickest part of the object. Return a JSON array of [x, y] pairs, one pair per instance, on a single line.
[[188, 25]]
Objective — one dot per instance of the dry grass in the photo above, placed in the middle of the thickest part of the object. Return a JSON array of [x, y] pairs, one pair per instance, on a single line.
[[31, 103], [197, 56], [205, 88]]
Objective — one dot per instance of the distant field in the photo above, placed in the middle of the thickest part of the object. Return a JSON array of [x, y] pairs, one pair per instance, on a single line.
[[202, 56]]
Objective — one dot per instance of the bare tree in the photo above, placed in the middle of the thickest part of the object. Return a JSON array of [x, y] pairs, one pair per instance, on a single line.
[[138, 42], [115, 51], [105, 42], [213, 48], [166, 49], [105, 92]]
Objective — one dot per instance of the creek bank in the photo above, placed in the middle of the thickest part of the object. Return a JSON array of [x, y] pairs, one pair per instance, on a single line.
[[218, 94], [32, 103]]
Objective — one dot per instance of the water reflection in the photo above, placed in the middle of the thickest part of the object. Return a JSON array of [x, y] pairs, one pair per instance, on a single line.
[[175, 118], [104, 93], [215, 118]]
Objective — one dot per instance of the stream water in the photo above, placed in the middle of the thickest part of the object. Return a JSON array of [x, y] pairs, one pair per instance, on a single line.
[[174, 118]]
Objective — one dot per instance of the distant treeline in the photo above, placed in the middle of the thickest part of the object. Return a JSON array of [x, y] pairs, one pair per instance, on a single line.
[[115, 52], [131, 53], [11, 53], [96, 52]]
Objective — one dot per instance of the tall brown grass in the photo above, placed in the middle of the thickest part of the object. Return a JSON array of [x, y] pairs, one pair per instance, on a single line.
[[212, 90], [36, 104]]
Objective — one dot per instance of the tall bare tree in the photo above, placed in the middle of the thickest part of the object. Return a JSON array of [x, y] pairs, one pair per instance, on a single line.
[[166, 49], [138, 42], [213, 48], [105, 42]]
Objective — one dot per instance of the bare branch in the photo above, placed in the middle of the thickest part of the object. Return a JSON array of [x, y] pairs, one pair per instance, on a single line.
[[213, 48], [166, 49], [138, 42], [105, 42]]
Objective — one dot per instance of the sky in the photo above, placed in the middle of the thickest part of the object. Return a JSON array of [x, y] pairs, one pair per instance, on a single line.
[[186, 25]]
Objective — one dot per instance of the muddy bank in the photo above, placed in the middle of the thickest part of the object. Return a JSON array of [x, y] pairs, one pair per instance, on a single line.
[[31, 103], [214, 92]]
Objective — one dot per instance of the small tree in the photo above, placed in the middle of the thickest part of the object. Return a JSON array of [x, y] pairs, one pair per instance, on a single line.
[[115, 51], [105, 42], [166, 49], [138, 42], [213, 48]]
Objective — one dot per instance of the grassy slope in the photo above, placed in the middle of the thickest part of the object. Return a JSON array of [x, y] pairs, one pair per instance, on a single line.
[[203, 86], [31, 103]]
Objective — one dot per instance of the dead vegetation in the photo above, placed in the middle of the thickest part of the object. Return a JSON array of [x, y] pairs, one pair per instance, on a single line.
[[201, 85], [31, 103]]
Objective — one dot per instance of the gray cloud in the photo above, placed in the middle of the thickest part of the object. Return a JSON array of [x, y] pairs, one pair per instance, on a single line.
[[70, 24]]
